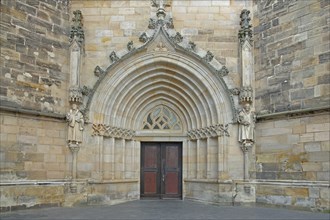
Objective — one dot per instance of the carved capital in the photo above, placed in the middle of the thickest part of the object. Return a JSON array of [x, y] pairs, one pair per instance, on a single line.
[[211, 131], [109, 131]]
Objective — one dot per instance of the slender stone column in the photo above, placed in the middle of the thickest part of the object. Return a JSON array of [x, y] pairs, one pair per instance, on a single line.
[[101, 157], [245, 148], [74, 148], [112, 150], [220, 157], [208, 164], [188, 159], [198, 172], [123, 145]]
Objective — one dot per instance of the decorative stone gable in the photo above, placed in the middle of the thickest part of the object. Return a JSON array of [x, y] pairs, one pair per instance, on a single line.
[[161, 37]]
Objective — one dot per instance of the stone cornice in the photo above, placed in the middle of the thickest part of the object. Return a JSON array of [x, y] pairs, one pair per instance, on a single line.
[[32, 112], [293, 113]]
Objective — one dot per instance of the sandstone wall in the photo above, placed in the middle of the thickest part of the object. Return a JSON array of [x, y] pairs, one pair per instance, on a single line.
[[291, 54], [292, 74], [32, 148], [34, 54], [294, 149], [292, 158]]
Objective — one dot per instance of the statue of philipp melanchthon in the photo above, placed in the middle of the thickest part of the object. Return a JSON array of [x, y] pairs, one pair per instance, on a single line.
[[76, 125], [246, 120]]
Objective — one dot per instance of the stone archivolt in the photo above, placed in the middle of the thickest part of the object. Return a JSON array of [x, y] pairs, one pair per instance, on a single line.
[[166, 67], [207, 132], [110, 131]]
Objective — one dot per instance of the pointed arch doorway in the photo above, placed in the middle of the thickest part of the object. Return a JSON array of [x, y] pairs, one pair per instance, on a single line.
[[161, 170], [154, 96]]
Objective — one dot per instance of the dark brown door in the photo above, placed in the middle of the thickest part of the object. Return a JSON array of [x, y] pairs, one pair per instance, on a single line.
[[161, 170]]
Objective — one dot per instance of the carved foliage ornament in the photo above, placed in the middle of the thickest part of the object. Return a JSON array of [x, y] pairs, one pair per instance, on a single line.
[[144, 38], [130, 46], [208, 57], [109, 131], [211, 131], [98, 71], [177, 38], [223, 71], [113, 57]]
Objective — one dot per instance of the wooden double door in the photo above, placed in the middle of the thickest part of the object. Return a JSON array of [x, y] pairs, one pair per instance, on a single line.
[[161, 170]]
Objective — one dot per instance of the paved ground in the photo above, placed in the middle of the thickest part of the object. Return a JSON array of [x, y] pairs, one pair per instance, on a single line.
[[162, 209]]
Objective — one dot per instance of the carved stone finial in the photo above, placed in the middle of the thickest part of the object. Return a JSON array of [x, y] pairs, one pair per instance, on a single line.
[[144, 37], [113, 57], [208, 57], [130, 46], [98, 71], [223, 71], [76, 31], [245, 33], [161, 11]]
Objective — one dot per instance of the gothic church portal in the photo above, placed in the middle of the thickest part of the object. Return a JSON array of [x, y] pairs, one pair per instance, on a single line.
[[220, 101]]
